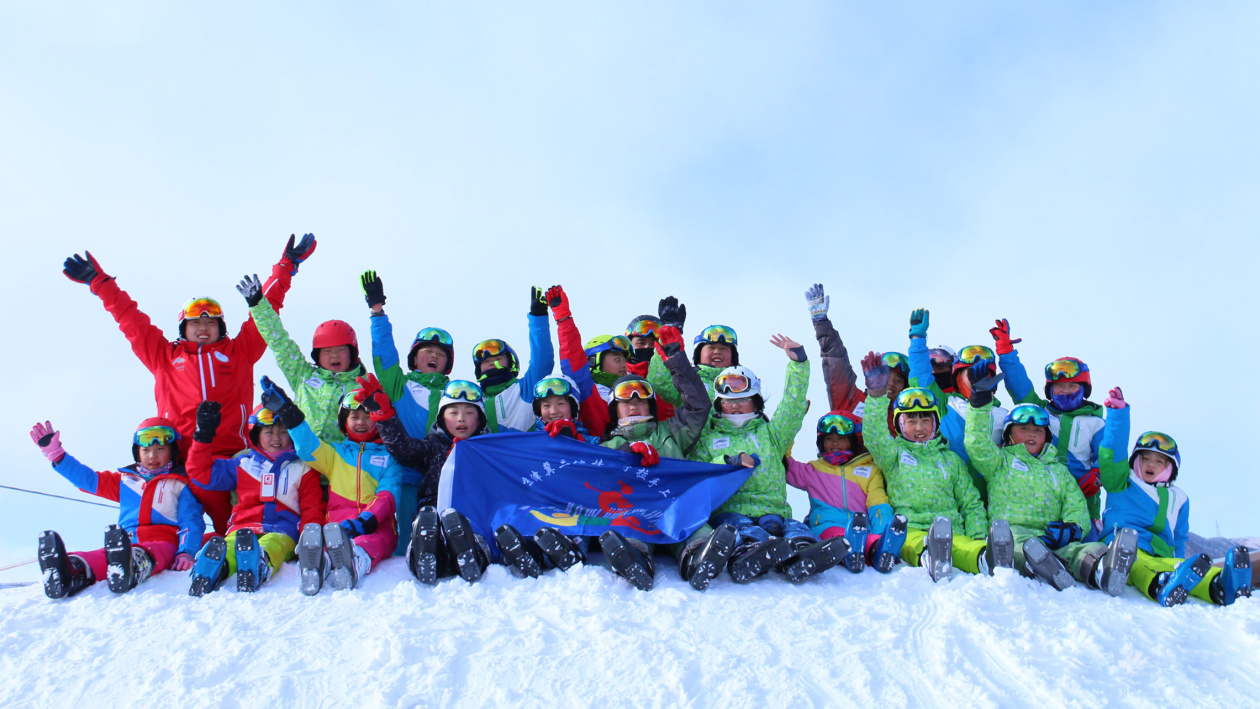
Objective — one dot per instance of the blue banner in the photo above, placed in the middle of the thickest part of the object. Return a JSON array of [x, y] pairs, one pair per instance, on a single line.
[[531, 480]]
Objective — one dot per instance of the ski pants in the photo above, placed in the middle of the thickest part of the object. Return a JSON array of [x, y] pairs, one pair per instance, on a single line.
[[1147, 569], [162, 553], [405, 514], [1072, 555], [675, 550], [966, 551], [749, 531], [278, 548]]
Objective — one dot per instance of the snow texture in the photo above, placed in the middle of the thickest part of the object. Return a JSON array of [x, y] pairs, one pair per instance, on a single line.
[[586, 638]]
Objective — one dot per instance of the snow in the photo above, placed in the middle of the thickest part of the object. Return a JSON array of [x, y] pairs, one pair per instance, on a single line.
[[587, 638]]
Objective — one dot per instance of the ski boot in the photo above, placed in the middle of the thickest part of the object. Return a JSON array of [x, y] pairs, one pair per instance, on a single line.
[[64, 575], [253, 568], [1111, 574], [210, 568], [855, 535], [426, 541], [1174, 587], [343, 573], [561, 551], [813, 558], [1234, 580], [127, 566], [1041, 564], [888, 549], [999, 550], [702, 563], [938, 551], [463, 547], [752, 560], [311, 560], [520, 552], [627, 560]]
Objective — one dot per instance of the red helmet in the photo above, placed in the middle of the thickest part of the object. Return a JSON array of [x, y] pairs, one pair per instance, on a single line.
[[334, 333], [155, 437]]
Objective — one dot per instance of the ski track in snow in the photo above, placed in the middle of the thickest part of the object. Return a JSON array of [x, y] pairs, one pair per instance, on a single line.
[[587, 637]]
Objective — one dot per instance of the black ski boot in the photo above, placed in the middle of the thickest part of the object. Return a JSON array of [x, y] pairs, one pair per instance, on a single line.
[[64, 575], [1112, 574], [1043, 565], [210, 569], [426, 541], [702, 563], [342, 574], [127, 566], [463, 547], [311, 559], [521, 553], [1000, 550], [561, 551], [814, 558], [855, 535], [627, 560], [939, 550], [753, 560], [888, 549]]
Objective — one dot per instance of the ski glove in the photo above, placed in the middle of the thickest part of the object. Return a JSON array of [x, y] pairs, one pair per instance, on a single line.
[[297, 253], [183, 561], [818, 302], [876, 372], [373, 288], [919, 323], [374, 398], [559, 303], [250, 289], [650, 456], [537, 301], [983, 384], [561, 427], [1115, 399], [82, 270], [669, 341], [1001, 332], [1060, 534], [49, 441], [281, 406], [365, 523], [671, 312], [738, 459], [1089, 483], [208, 418]]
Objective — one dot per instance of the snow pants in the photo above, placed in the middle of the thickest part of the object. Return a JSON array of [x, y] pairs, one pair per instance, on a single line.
[[1072, 555], [405, 514], [675, 550], [1147, 569], [379, 545], [966, 550], [162, 553], [279, 548]]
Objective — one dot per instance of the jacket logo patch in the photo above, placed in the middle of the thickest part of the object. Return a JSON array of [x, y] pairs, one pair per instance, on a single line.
[[267, 493], [220, 356], [907, 459], [862, 471], [314, 382], [177, 360], [379, 461], [1019, 465], [720, 443]]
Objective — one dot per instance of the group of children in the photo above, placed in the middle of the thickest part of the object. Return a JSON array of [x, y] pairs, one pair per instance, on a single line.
[[920, 465]]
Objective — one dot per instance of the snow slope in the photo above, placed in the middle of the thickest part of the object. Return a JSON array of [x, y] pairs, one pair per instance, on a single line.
[[587, 638]]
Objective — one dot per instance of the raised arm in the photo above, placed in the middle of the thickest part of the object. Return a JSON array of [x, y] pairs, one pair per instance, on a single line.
[[689, 419], [984, 455], [1113, 452], [838, 376], [542, 356], [292, 362], [789, 415], [875, 434], [146, 339], [1018, 385]]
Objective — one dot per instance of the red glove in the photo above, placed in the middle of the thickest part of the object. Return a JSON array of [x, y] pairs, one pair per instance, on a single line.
[[1115, 399], [374, 398], [650, 456], [561, 426], [668, 335], [559, 303], [1002, 336], [183, 561], [1089, 484]]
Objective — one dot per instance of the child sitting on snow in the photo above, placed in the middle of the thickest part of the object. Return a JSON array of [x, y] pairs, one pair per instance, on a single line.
[[159, 519]]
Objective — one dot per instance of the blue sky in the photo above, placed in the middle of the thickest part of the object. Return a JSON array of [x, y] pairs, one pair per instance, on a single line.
[[1086, 170]]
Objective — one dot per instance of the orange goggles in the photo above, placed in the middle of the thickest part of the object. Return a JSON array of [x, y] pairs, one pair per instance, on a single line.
[[639, 388], [201, 307], [489, 348]]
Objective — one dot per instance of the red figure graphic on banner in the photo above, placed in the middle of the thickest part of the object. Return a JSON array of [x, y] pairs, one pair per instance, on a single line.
[[611, 501]]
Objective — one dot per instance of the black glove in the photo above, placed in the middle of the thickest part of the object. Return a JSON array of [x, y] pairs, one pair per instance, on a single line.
[[983, 384], [537, 301], [285, 411], [1060, 534], [208, 418], [373, 288], [251, 290], [672, 312], [297, 253], [82, 269]]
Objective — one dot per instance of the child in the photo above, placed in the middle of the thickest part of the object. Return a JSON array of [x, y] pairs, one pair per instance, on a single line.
[[440, 545], [1141, 497], [277, 494], [1034, 504], [608, 356], [509, 396], [847, 497], [203, 363], [642, 334], [577, 366], [926, 482], [363, 482], [159, 519], [1077, 424]]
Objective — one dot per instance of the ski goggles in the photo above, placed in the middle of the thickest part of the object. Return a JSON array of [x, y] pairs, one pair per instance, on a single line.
[[916, 399], [1030, 413], [619, 343], [553, 386], [716, 334], [973, 353], [463, 390], [640, 388], [1161, 442], [941, 355], [489, 348], [896, 360], [262, 417], [642, 328], [154, 436], [839, 425], [732, 384], [1065, 369], [201, 307], [435, 335], [349, 402]]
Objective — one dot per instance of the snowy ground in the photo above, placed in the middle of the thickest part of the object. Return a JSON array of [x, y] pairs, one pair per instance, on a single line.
[[587, 638]]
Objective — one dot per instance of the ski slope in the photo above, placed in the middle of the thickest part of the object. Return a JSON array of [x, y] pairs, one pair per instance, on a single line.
[[587, 638]]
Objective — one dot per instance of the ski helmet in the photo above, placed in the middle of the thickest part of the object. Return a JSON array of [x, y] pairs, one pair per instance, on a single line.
[[1026, 413], [916, 400], [970, 355], [713, 335], [261, 417], [335, 333], [597, 346], [556, 386], [897, 361], [1161, 443], [348, 403], [943, 354], [491, 348], [432, 336], [841, 423], [630, 386], [462, 391], [155, 431], [198, 308], [1068, 369], [737, 383], [643, 326]]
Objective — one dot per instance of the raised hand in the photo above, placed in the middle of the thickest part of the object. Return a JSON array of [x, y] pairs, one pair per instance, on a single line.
[[373, 398], [818, 302], [794, 351], [250, 289], [1115, 399], [876, 374], [983, 383], [82, 269], [919, 323], [49, 441], [1001, 332], [274, 398], [302, 250], [208, 418], [671, 312], [373, 289], [537, 301], [559, 303]]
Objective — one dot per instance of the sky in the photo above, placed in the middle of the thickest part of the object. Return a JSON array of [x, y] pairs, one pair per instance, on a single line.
[[1087, 171]]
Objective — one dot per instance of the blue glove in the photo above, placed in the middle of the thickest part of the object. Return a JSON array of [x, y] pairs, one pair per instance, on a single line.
[[280, 405], [1060, 534], [919, 323], [358, 526], [983, 384]]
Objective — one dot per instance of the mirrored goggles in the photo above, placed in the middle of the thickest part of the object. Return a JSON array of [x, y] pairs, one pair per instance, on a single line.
[[1062, 369], [639, 388], [642, 328], [553, 386], [208, 307], [463, 390], [972, 353], [489, 348], [941, 356], [616, 342], [262, 417], [154, 436], [896, 360], [1159, 441], [921, 399], [349, 402], [717, 333], [1030, 413], [435, 334], [731, 384], [839, 425]]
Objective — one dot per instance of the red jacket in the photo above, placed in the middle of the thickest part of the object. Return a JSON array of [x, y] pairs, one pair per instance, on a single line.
[[186, 374]]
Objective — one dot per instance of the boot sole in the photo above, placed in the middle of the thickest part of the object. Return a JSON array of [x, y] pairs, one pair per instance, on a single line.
[[817, 558], [890, 545], [1185, 578], [208, 575], [1236, 576], [1119, 562], [855, 560], [423, 550], [560, 551], [717, 551], [310, 553], [1045, 565], [941, 549], [752, 564], [54, 564], [624, 560], [118, 571], [463, 546], [247, 555], [514, 552], [1001, 546], [340, 558]]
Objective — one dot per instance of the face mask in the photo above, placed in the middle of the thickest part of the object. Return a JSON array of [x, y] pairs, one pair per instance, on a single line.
[[1068, 402], [944, 380], [740, 419], [838, 457]]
